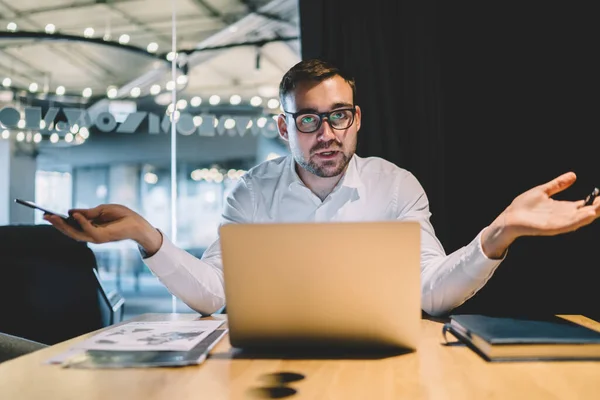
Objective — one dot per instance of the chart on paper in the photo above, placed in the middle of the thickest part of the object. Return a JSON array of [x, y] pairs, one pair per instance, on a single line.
[[152, 336]]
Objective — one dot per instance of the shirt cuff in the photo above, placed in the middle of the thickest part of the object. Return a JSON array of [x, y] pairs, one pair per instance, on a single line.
[[480, 265], [165, 261]]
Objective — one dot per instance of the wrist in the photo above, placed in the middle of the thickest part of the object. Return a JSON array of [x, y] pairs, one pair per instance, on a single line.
[[498, 236], [149, 238]]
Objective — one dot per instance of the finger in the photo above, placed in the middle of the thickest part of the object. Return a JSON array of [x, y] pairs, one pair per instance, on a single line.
[[559, 184], [65, 228], [87, 227], [89, 213]]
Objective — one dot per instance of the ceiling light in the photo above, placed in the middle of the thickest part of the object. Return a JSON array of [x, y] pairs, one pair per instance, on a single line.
[[152, 47], [170, 85], [37, 137], [124, 39], [155, 89], [163, 98], [54, 137], [171, 56], [6, 82], [69, 137], [150, 178], [261, 122], [182, 104], [5, 134], [33, 87], [60, 90], [21, 124], [84, 132], [111, 92], [20, 136], [182, 79], [88, 32], [214, 100], [256, 101], [273, 103], [229, 123], [50, 29], [235, 99], [87, 92], [196, 101], [135, 92], [197, 120], [11, 27]]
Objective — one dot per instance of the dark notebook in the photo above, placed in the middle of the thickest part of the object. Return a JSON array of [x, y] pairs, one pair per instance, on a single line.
[[511, 339]]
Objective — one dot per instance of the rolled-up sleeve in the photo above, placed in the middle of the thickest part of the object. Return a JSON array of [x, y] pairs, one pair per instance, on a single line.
[[199, 282], [447, 280]]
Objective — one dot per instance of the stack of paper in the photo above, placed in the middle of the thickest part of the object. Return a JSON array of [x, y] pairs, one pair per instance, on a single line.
[[145, 344]]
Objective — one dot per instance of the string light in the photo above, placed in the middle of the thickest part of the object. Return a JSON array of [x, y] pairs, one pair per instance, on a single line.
[[111, 92], [155, 89]]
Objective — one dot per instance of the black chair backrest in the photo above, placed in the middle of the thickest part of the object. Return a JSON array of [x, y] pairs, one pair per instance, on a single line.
[[48, 290]]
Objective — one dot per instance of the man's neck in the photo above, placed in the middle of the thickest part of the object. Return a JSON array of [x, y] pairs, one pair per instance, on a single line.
[[321, 187]]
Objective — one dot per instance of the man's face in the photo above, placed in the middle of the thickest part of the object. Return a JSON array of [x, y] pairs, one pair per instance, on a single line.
[[326, 151]]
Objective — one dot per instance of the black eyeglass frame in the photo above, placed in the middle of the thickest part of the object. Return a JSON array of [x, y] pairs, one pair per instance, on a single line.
[[322, 116]]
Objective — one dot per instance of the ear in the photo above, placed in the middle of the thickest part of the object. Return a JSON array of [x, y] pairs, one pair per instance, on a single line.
[[282, 127], [357, 118]]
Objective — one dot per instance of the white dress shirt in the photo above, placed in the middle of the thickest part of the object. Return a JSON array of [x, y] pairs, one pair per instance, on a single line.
[[372, 189]]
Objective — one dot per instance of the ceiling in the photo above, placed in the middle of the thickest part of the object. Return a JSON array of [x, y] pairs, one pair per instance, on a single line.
[[217, 42]]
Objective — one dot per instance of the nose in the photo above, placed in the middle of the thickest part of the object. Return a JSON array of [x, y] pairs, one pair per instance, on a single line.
[[327, 134]]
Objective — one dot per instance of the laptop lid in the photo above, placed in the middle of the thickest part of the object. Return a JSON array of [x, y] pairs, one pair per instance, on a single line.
[[322, 284]]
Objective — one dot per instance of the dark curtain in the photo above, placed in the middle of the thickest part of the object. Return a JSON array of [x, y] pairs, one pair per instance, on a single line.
[[481, 101], [388, 46]]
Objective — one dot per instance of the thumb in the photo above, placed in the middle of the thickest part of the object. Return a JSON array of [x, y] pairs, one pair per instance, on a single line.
[[559, 184], [89, 213]]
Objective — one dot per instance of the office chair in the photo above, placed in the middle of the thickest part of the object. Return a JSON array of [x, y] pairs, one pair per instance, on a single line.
[[50, 290]]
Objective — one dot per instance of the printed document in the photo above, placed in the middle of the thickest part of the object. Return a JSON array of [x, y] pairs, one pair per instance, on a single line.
[[151, 336]]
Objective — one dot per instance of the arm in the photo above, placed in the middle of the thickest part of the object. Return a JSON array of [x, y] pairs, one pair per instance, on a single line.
[[199, 282], [447, 281]]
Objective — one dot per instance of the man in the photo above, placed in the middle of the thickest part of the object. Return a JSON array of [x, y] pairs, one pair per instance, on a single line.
[[323, 180]]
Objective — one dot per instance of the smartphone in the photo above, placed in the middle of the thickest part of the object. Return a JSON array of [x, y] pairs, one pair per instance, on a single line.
[[590, 199], [68, 219]]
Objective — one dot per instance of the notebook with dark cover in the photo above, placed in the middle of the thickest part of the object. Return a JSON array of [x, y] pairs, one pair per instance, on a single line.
[[525, 339]]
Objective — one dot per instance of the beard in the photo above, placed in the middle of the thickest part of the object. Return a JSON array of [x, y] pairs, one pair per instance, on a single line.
[[326, 168]]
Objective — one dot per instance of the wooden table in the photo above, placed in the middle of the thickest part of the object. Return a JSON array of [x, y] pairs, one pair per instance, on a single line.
[[434, 371]]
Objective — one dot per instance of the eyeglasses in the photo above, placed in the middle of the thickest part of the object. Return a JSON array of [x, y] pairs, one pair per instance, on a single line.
[[311, 122]]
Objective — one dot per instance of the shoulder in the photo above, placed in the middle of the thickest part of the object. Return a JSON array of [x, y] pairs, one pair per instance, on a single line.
[[267, 169], [378, 168]]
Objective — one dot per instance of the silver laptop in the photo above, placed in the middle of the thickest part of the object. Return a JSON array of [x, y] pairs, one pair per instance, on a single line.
[[342, 284]]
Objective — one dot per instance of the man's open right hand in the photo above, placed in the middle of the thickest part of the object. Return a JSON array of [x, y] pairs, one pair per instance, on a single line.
[[109, 223]]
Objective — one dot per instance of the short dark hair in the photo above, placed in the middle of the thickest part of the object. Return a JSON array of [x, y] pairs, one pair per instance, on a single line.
[[314, 70]]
